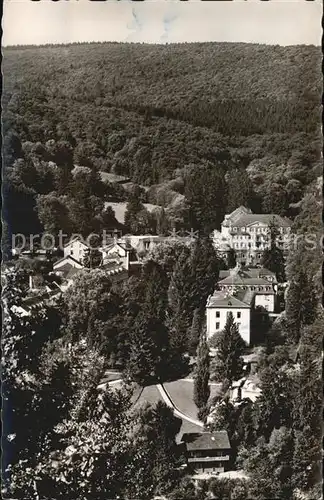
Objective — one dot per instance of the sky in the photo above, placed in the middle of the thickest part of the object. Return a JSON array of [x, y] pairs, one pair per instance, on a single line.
[[280, 22]]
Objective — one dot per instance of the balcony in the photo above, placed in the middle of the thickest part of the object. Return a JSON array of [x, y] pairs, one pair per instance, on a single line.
[[208, 459]]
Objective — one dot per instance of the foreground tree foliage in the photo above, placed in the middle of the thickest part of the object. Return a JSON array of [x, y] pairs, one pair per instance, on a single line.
[[104, 449], [272, 257], [201, 377]]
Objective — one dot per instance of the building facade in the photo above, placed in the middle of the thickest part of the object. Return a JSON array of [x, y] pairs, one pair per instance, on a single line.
[[248, 234], [240, 291], [207, 452], [220, 305]]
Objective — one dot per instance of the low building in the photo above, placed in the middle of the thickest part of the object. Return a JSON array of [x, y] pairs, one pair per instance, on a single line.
[[207, 452]]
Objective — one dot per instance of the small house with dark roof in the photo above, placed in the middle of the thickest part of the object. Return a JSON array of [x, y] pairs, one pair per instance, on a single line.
[[207, 452]]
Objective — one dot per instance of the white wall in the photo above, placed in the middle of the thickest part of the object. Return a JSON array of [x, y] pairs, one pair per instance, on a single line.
[[76, 249], [244, 321], [266, 301]]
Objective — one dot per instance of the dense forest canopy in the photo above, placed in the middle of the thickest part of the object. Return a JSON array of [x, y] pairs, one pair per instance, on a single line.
[[150, 111]]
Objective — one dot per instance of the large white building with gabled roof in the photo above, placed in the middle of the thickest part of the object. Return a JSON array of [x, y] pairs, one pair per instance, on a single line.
[[248, 234], [240, 291]]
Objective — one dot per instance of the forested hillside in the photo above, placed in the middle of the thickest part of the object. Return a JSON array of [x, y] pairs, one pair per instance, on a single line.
[[148, 111]]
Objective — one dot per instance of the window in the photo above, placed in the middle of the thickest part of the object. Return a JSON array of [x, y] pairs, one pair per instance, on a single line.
[[217, 325], [228, 313], [238, 325], [238, 314], [217, 314]]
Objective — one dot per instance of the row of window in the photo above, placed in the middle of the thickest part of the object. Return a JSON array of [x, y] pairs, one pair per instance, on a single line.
[[238, 314], [217, 326], [255, 229], [253, 288], [251, 229]]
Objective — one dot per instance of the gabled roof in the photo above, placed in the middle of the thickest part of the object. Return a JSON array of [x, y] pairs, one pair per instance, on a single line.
[[223, 299], [238, 279], [76, 238], [246, 276], [250, 219], [69, 260], [206, 441], [238, 212]]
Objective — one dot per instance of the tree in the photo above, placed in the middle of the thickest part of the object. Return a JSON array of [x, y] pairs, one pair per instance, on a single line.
[[274, 406], [92, 258], [53, 213], [269, 466], [92, 307], [204, 265], [205, 190], [148, 350], [301, 303], [156, 287], [167, 254], [30, 388], [230, 348], [307, 459], [240, 191], [133, 208], [180, 300], [307, 409], [272, 257], [162, 223], [275, 199], [231, 258], [196, 330], [154, 437], [201, 377]]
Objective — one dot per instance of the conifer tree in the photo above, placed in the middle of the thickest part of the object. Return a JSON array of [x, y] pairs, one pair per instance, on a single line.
[[155, 291], [180, 299], [204, 265], [198, 322], [206, 190], [240, 191], [231, 258], [230, 345], [201, 379], [272, 257], [301, 304], [133, 208]]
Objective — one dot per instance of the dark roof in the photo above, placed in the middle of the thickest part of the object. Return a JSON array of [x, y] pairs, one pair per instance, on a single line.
[[67, 257], [206, 440], [251, 272], [248, 219], [113, 178], [223, 299], [238, 279], [243, 216], [76, 238]]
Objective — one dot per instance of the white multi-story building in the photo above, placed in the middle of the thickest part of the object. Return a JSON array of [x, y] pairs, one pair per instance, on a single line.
[[240, 291], [248, 234]]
